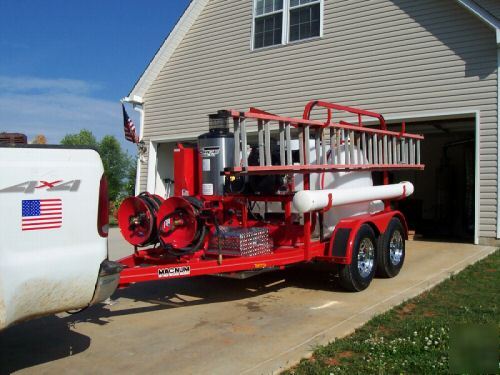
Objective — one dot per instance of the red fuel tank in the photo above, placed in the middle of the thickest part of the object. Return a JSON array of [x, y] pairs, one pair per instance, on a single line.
[[186, 173]]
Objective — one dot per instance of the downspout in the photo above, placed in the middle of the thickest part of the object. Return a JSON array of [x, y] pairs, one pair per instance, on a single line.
[[494, 23], [138, 106]]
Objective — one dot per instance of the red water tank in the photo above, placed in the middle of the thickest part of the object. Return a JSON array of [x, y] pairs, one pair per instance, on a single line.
[[186, 173]]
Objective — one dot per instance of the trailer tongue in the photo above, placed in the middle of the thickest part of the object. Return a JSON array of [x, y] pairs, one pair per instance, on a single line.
[[302, 192]]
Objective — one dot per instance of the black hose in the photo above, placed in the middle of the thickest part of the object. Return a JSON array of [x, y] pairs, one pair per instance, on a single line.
[[153, 205], [194, 246]]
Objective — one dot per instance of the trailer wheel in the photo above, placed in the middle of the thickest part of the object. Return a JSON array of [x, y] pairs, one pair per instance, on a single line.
[[391, 255], [356, 276]]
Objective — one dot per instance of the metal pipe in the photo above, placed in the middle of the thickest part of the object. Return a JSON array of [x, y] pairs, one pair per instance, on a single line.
[[370, 149], [418, 151], [380, 151], [317, 145], [237, 152], [267, 142], [323, 147], [288, 144], [351, 146], [339, 135], [282, 143], [244, 142], [306, 145], [386, 153], [363, 142], [260, 134], [332, 145]]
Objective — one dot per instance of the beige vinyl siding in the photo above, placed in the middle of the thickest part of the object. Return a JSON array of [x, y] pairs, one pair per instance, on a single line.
[[400, 56]]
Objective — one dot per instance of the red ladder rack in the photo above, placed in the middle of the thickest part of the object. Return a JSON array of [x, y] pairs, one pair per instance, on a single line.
[[340, 146]]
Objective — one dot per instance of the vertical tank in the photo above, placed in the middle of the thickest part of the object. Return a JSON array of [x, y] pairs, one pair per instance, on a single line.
[[217, 152]]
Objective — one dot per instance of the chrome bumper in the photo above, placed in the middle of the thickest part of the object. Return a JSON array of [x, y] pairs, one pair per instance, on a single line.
[[107, 281]]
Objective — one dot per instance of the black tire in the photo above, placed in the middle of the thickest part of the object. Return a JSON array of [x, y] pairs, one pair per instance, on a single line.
[[350, 276], [388, 266]]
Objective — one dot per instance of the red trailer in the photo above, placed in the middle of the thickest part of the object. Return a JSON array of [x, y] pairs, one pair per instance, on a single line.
[[275, 191]]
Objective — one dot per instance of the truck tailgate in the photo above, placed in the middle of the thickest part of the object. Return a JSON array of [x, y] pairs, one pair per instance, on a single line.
[[50, 248]]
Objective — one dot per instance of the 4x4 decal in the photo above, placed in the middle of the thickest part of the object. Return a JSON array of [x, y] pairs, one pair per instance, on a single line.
[[28, 187]]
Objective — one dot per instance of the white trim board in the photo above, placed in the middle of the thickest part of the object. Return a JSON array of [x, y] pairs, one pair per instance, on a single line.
[[139, 108], [152, 164], [494, 23]]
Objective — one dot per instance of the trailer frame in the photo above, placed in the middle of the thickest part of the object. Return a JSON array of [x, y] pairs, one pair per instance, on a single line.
[[382, 149]]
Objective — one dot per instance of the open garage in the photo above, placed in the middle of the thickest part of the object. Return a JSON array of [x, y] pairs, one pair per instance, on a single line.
[[443, 206]]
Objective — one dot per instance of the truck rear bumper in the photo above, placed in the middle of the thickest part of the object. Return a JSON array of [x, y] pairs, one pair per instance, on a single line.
[[107, 282]]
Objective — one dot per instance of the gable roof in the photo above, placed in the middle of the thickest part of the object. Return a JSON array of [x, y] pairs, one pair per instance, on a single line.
[[192, 13]]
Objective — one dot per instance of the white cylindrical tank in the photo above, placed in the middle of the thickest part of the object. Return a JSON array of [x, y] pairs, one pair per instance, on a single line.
[[344, 186], [313, 200], [346, 181]]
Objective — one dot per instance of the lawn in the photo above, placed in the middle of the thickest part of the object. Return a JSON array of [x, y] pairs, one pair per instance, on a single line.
[[415, 337]]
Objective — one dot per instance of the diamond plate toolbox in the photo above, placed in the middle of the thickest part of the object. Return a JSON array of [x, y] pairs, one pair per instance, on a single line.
[[241, 242]]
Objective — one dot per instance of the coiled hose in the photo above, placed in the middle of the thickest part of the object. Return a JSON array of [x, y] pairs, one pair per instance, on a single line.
[[198, 240]]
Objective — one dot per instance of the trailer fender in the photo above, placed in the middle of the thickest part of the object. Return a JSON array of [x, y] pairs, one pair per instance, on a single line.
[[342, 240]]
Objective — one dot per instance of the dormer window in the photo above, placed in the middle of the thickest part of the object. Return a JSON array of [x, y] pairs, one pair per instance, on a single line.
[[283, 21]]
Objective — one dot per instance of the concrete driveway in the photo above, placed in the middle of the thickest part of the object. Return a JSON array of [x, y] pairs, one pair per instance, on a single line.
[[219, 326]]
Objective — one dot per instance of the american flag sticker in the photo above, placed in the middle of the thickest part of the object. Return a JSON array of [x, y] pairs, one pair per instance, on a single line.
[[38, 214]]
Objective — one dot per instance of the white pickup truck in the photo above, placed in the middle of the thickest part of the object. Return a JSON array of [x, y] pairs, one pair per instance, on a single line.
[[53, 232]]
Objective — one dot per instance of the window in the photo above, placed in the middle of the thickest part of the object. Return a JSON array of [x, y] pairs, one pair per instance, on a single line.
[[282, 21], [305, 19], [268, 23]]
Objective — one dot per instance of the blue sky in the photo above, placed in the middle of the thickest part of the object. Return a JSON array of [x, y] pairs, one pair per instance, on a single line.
[[64, 65]]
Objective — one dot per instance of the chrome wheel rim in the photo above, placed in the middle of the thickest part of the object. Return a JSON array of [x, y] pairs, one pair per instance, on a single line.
[[396, 246], [366, 257]]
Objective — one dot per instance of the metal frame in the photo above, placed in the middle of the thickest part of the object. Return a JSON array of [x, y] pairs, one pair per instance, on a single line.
[[410, 157], [292, 243]]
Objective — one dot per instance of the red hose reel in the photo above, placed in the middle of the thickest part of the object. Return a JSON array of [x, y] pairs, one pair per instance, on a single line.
[[175, 223], [137, 219]]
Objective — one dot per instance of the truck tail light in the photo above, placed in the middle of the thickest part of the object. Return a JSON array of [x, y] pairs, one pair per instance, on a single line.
[[103, 210]]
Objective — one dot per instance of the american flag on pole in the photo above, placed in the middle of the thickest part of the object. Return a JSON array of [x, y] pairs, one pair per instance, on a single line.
[[38, 214], [129, 127]]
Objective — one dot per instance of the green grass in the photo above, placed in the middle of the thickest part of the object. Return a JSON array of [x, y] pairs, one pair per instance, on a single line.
[[415, 336]]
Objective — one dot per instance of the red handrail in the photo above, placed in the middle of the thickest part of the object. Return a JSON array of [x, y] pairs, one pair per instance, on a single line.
[[329, 106]]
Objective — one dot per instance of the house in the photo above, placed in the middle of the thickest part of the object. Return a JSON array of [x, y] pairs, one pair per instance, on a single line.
[[433, 63]]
